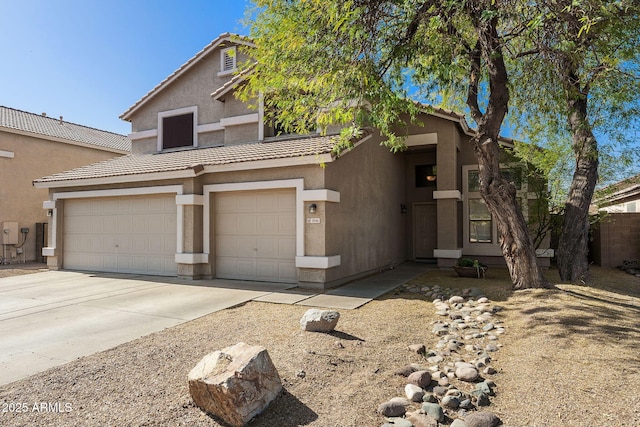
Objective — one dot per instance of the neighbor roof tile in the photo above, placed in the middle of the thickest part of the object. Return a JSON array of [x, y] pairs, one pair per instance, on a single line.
[[38, 124]]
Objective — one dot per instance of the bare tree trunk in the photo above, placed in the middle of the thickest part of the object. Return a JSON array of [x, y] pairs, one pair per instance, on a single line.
[[515, 241], [499, 194], [573, 263]]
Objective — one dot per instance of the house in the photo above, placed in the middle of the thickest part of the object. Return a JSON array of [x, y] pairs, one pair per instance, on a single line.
[[615, 238], [622, 196], [211, 190], [32, 145]]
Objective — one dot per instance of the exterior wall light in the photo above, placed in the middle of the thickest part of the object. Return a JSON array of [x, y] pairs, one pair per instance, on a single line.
[[312, 208]]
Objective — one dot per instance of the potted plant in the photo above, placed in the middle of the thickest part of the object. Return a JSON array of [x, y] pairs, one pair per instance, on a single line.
[[466, 267]]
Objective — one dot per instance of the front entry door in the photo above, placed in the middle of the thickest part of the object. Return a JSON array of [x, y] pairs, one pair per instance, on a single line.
[[425, 229]]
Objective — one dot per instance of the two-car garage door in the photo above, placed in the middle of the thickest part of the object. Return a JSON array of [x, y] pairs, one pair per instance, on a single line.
[[121, 234]]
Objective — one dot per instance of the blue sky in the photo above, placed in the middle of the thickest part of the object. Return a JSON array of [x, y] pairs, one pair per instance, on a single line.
[[89, 61]]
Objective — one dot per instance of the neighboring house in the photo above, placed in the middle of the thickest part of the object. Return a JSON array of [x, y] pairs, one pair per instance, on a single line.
[[209, 191], [616, 237], [32, 145], [621, 197]]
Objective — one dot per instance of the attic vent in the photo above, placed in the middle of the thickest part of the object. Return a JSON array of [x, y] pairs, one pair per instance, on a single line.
[[228, 60]]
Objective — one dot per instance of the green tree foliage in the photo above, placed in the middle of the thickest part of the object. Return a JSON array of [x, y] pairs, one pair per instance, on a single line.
[[575, 70], [357, 62]]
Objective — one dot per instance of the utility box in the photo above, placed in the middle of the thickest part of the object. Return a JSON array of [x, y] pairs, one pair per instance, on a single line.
[[10, 234]]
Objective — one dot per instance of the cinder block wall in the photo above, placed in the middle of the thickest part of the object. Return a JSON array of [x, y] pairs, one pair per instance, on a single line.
[[616, 239]]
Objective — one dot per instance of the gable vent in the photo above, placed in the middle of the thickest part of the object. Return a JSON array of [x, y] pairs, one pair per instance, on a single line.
[[229, 59]]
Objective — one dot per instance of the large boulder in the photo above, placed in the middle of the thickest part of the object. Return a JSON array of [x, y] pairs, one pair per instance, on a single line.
[[315, 320], [235, 384]]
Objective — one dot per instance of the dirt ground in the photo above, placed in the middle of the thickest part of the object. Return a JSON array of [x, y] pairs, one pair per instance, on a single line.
[[569, 358]]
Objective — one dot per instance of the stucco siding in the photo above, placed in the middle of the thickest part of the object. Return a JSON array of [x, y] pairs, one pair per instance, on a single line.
[[241, 133], [367, 227], [34, 158], [192, 88]]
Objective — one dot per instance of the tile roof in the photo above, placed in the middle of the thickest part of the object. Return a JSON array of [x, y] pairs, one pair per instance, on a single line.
[[38, 124], [137, 164]]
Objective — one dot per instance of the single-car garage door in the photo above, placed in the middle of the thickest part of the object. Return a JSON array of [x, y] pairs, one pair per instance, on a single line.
[[255, 235], [121, 234]]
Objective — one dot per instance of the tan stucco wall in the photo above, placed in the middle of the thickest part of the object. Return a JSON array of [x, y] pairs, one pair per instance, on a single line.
[[241, 133], [34, 158], [367, 227], [194, 88]]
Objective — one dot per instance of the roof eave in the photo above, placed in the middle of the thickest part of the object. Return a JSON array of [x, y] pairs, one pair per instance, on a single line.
[[189, 173]]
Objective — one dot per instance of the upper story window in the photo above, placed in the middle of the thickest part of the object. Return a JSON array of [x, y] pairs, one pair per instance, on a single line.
[[177, 128], [228, 58], [426, 175]]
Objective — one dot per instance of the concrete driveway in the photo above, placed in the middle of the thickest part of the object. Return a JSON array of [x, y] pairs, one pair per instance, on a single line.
[[51, 318]]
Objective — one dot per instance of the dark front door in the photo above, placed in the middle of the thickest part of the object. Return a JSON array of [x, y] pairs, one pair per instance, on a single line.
[[425, 229]]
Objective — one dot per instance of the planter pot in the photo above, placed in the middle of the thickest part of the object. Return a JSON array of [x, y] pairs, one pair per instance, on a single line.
[[475, 272]]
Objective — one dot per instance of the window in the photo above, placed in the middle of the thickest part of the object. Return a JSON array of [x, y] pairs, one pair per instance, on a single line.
[[426, 175], [177, 128], [480, 223], [177, 131], [480, 229], [227, 60]]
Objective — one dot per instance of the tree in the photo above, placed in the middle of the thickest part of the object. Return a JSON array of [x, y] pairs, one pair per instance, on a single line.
[[579, 62], [353, 61]]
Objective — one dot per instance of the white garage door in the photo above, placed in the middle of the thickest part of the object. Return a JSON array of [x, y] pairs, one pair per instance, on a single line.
[[255, 235], [121, 234]]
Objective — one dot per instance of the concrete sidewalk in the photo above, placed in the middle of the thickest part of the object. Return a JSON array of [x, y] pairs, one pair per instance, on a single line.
[[51, 318], [354, 294]]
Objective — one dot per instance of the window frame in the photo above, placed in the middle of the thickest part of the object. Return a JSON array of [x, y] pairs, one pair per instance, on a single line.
[[178, 112], [234, 59], [492, 247]]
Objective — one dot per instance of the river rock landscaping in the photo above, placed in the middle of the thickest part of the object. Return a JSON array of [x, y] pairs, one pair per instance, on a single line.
[[457, 376]]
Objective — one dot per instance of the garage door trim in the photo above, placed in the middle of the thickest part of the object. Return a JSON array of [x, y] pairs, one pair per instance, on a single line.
[[51, 250]]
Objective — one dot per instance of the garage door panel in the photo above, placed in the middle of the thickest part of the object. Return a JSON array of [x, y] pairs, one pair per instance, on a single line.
[[286, 247], [140, 245], [287, 202], [245, 247], [140, 224], [139, 263], [246, 203], [109, 224], [110, 206], [267, 202], [287, 225], [226, 246], [267, 224], [107, 262], [245, 224], [81, 208], [121, 234], [226, 224], [255, 235], [267, 248], [125, 224], [267, 269], [225, 266], [287, 270]]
